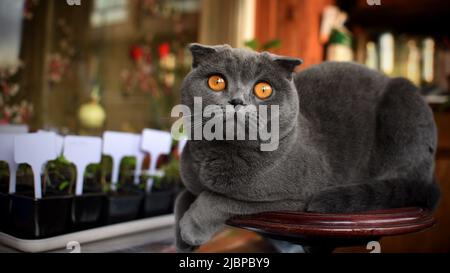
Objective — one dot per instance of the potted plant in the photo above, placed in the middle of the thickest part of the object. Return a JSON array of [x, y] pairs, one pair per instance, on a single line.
[[165, 187], [4, 197], [33, 218], [86, 209], [122, 203]]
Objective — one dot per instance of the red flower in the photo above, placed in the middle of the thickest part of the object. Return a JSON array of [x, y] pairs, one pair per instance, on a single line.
[[136, 53], [163, 50], [5, 88]]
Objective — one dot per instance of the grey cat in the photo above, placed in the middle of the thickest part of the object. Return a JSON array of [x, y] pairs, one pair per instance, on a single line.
[[351, 139]]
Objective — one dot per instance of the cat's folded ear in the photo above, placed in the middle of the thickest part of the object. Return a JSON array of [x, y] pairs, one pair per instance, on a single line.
[[201, 52], [287, 63]]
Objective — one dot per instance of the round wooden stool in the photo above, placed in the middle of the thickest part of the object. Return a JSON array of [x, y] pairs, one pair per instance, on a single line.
[[318, 232]]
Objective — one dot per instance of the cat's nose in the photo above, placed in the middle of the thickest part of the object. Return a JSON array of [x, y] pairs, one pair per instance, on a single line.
[[236, 101]]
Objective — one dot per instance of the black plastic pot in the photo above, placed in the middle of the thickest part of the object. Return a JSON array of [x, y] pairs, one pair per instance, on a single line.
[[158, 203], [39, 218], [5, 208], [121, 207], [86, 211]]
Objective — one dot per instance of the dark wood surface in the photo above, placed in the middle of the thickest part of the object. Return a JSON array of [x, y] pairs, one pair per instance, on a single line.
[[359, 225]]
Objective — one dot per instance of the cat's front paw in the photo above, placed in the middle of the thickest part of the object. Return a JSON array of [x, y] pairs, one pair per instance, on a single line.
[[191, 232], [182, 246]]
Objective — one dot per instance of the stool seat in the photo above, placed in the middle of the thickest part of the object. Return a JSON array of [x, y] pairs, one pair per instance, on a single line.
[[333, 230]]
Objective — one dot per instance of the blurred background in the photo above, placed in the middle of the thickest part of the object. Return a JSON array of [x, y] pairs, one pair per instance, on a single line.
[[83, 67]]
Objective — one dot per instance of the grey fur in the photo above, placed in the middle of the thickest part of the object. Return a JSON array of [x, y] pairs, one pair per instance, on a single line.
[[351, 139]]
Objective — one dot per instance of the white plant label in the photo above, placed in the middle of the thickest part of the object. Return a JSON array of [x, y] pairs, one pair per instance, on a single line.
[[13, 129], [155, 143], [140, 155], [59, 140], [7, 155], [181, 143], [118, 145], [82, 151], [35, 150]]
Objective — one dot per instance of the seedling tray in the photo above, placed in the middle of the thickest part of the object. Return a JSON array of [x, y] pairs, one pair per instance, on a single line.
[[33, 218], [4, 211], [86, 211], [87, 236], [121, 207], [157, 203]]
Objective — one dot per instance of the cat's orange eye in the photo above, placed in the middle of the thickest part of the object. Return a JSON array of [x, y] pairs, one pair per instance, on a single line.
[[262, 90], [216, 83]]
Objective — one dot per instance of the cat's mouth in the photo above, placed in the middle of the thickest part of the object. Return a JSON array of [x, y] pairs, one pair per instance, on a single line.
[[241, 113]]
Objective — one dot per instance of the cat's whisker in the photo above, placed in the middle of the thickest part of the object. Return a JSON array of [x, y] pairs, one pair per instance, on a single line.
[[194, 115]]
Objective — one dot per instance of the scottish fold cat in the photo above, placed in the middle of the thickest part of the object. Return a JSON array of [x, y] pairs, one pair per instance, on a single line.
[[350, 139]]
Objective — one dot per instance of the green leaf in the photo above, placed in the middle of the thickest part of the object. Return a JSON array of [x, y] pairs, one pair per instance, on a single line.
[[63, 185], [157, 182], [106, 187], [253, 44], [61, 159], [4, 170], [275, 43]]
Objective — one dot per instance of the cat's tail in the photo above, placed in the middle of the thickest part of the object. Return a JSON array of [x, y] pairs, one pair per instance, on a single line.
[[375, 195]]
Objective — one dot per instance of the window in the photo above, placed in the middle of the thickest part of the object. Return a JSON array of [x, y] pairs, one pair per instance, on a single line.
[[108, 12], [10, 31]]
